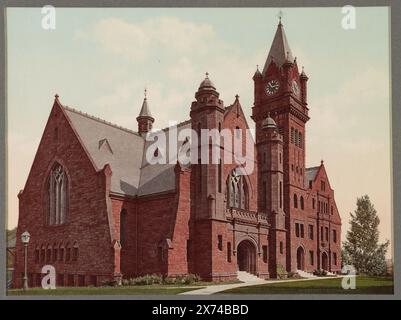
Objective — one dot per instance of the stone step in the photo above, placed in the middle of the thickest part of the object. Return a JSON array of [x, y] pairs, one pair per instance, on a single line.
[[247, 277], [305, 274]]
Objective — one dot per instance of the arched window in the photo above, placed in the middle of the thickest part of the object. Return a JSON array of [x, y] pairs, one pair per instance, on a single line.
[[42, 254], [58, 196], [296, 137], [237, 191], [292, 135], [295, 201], [49, 253], [61, 253], [68, 252], [75, 252], [300, 140], [55, 251], [301, 202]]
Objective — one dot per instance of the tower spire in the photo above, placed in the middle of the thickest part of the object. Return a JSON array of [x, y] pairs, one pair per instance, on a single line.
[[280, 15], [145, 119], [280, 50]]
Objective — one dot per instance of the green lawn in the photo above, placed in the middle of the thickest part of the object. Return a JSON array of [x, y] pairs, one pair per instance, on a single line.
[[364, 285], [129, 290]]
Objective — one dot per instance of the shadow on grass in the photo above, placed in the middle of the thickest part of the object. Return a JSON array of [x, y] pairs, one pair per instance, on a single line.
[[129, 290], [364, 285]]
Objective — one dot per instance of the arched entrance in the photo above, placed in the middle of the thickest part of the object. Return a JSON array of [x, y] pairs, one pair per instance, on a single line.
[[300, 258], [325, 261], [246, 257]]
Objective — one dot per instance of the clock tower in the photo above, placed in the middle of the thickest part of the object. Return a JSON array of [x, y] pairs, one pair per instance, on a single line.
[[280, 91]]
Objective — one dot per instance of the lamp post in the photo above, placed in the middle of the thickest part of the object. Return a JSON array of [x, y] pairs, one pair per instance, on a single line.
[[25, 240]]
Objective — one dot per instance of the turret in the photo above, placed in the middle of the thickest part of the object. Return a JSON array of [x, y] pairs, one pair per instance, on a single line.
[[304, 79], [145, 119]]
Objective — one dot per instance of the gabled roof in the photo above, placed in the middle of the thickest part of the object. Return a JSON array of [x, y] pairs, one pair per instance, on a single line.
[[157, 178], [280, 50], [131, 174], [310, 174], [126, 158], [237, 109]]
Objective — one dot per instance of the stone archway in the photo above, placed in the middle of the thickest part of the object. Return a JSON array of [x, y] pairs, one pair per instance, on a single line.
[[300, 258], [325, 261], [246, 256]]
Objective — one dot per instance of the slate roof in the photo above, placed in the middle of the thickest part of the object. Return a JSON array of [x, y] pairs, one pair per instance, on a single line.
[[310, 174], [125, 153], [279, 50], [145, 111]]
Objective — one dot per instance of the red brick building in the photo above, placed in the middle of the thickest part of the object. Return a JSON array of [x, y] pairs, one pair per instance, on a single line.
[[98, 211]]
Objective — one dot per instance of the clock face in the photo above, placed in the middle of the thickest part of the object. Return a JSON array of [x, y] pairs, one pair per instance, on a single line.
[[272, 87], [294, 87]]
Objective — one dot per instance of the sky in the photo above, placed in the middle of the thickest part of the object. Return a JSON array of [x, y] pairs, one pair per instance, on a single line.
[[100, 60]]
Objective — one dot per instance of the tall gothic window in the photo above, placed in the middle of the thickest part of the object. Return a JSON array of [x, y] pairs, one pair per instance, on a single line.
[[58, 196], [237, 191]]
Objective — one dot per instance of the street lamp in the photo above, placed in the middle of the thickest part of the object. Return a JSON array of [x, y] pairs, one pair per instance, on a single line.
[[25, 240]]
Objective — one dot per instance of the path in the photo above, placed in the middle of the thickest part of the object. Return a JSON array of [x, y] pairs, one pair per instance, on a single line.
[[222, 287]]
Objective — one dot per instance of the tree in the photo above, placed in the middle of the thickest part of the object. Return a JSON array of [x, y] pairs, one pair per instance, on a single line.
[[361, 248]]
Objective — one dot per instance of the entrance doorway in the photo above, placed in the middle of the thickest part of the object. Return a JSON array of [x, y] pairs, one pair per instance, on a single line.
[[300, 259], [246, 257]]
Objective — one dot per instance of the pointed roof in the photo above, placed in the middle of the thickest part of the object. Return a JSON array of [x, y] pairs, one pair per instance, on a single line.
[[269, 123], [145, 111], [207, 84], [280, 50]]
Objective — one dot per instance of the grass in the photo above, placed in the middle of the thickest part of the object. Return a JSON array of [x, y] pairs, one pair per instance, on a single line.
[[364, 285], [123, 290], [126, 290]]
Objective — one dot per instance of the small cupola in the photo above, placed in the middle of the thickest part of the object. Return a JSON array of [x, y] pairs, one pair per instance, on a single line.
[[206, 84], [145, 119], [207, 90], [269, 123], [257, 74]]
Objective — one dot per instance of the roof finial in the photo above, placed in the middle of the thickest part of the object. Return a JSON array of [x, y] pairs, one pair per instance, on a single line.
[[145, 93], [56, 96], [280, 15], [257, 67], [321, 162], [207, 75], [236, 97]]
